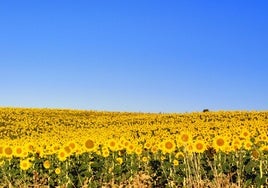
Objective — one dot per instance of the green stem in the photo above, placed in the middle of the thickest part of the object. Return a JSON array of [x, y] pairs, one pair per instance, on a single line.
[[261, 169], [188, 168]]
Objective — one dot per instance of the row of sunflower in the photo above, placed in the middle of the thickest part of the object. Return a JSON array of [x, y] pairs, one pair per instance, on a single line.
[[75, 148]]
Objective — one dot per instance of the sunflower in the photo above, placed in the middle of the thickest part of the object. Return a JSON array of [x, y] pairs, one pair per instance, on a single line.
[[184, 138], [144, 159], [25, 164], [255, 154], [138, 150], [62, 155], [46, 164], [147, 145], [236, 144], [126, 143], [175, 162], [89, 145], [57, 171], [8, 151], [264, 148], [72, 146], [199, 146], [39, 151], [131, 148], [55, 148], [219, 143], [105, 152], [120, 147], [18, 151], [189, 148], [247, 145], [179, 155], [67, 150], [168, 146], [30, 147], [245, 134], [262, 138], [119, 160], [112, 144], [154, 149], [123, 142]]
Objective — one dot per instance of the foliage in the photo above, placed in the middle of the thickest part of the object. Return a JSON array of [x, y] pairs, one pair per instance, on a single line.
[[43, 147]]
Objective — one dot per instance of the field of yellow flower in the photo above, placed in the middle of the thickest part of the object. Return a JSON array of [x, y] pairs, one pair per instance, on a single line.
[[74, 148]]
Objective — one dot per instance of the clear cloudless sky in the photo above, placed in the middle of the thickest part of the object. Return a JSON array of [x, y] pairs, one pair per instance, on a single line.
[[134, 55]]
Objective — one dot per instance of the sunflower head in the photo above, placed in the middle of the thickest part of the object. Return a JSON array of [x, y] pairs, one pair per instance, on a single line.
[[46, 164], [168, 146], [220, 143], [25, 164], [199, 146], [89, 145]]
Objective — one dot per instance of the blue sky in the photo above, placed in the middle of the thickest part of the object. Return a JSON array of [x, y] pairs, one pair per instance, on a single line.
[[133, 55]]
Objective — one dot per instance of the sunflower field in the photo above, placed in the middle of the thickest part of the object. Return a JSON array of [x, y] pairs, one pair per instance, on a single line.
[[75, 148]]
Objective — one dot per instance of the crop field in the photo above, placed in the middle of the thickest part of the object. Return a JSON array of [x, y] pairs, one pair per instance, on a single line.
[[75, 148]]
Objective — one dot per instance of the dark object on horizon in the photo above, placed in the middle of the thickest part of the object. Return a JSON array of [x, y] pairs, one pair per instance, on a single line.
[[206, 110]]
